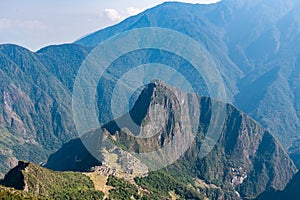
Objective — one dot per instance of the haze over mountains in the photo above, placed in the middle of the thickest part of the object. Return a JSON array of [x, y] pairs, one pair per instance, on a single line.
[[254, 44], [256, 47]]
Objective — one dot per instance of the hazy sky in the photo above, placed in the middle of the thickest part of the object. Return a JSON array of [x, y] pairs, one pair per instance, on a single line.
[[37, 23]]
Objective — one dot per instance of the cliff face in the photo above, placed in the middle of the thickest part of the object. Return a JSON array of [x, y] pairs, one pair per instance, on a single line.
[[245, 158]]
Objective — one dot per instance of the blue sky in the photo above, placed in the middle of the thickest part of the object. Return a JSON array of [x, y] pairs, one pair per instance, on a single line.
[[38, 23]]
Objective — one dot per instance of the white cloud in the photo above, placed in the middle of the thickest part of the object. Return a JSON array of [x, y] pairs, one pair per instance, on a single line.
[[200, 1], [113, 15], [134, 11]]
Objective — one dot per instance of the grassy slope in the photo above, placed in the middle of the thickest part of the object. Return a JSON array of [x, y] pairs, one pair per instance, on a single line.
[[47, 184]]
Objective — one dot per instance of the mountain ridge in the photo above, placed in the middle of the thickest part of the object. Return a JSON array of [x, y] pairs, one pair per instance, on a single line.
[[246, 158]]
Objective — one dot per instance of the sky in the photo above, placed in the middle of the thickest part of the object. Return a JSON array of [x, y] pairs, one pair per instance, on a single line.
[[37, 23]]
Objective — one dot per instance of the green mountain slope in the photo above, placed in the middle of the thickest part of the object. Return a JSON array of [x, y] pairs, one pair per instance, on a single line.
[[36, 117], [12, 194], [45, 184]]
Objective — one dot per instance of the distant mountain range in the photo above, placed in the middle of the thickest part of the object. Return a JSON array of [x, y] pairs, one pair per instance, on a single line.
[[256, 46]]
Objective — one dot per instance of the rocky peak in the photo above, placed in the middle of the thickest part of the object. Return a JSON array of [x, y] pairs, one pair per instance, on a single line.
[[160, 113], [155, 93]]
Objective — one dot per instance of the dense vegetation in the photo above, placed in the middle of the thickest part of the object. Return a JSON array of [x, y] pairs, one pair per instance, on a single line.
[[122, 189], [11, 194], [158, 185], [161, 184]]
